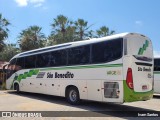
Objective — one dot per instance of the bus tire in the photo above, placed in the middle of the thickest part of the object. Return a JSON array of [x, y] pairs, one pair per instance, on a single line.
[[16, 87], [73, 96]]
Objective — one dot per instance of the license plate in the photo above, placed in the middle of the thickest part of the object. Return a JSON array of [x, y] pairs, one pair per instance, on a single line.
[[144, 87]]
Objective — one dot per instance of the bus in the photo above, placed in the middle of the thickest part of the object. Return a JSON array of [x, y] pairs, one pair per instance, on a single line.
[[116, 68], [157, 75]]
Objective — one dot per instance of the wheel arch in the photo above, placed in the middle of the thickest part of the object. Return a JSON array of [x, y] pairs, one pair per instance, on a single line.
[[68, 87]]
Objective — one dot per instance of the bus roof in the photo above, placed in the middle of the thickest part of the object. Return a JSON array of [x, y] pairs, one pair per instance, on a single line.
[[71, 44]]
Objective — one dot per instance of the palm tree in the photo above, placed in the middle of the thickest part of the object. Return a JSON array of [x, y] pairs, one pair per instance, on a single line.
[[104, 31], [3, 30], [51, 40], [59, 28], [82, 27], [91, 34], [31, 38]]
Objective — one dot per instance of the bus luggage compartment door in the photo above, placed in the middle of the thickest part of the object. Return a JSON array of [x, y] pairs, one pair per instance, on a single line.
[[112, 91]]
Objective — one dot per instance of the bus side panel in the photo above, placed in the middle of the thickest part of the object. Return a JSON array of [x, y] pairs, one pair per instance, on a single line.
[[82, 86], [157, 82]]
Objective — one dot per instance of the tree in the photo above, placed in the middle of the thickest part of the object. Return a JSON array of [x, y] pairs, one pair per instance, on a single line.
[[8, 52], [51, 40], [32, 38], [104, 31], [65, 30], [3, 30], [91, 34], [82, 27], [59, 28]]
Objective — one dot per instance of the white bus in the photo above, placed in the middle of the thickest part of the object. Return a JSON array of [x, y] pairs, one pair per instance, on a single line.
[[117, 68], [157, 75]]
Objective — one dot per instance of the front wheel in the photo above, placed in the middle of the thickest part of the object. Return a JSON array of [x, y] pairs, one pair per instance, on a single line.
[[73, 96], [16, 87]]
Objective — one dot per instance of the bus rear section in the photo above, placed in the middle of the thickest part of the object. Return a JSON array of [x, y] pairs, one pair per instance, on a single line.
[[138, 68]]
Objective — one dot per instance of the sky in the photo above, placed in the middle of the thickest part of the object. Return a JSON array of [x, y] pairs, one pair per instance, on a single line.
[[140, 16]]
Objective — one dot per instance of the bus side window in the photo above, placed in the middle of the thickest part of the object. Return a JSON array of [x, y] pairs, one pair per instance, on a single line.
[[107, 51], [43, 60], [58, 58], [79, 55], [20, 63], [156, 64], [30, 61]]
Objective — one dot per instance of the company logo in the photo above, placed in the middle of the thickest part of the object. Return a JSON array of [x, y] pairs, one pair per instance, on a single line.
[[21, 114], [142, 49], [60, 75]]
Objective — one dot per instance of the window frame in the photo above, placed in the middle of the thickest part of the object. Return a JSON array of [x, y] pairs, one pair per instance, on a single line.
[[108, 41], [90, 45]]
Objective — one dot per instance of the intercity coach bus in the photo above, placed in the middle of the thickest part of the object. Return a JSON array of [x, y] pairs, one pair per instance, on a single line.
[[117, 68]]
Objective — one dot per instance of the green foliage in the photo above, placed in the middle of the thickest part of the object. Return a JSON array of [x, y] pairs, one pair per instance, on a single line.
[[3, 30], [104, 31], [65, 30], [8, 52], [81, 29], [31, 38], [62, 30]]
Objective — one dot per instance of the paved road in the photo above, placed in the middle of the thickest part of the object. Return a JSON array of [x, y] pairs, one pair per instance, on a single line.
[[11, 101]]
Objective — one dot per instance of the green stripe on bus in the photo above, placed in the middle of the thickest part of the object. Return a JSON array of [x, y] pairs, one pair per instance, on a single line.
[[36, 71], [131, 96], [24, 76], [83, 67]]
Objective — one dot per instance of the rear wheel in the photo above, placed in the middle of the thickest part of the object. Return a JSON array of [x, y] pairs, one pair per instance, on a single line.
[[73, 96]]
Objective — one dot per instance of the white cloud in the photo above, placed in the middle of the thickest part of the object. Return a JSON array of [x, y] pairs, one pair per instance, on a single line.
[[35, 3], [38, 5], [21, 3], [139, 23], [156, 53]]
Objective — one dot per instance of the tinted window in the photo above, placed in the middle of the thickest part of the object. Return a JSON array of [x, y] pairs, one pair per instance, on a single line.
[[156, 64], [12, 65], [20, 62], [79, 55], [11, 68], [30, 61], [13, 62], [43, 60], [58, 58], [107, 51]]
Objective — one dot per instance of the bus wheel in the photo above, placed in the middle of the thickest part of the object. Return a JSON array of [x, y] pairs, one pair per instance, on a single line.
[[16, 87], [73, 96]]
